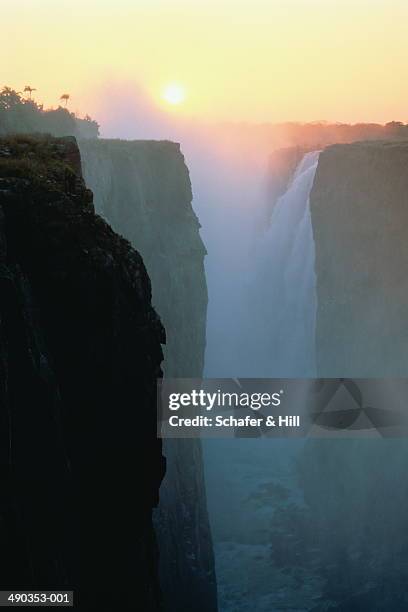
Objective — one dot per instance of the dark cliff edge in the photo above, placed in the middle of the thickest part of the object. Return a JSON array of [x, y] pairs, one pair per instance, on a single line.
[[80, 351], [143, 189], [356, 489]]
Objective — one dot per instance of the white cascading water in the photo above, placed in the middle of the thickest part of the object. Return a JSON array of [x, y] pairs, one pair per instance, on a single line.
[[277, 327], [284, 284]]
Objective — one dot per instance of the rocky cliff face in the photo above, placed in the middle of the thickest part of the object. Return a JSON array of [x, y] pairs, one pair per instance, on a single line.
[[359, 208], [143, 190], [79, 356], [356, 490]]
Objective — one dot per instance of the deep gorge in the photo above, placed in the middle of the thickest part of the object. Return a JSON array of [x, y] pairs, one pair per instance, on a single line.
[[294, 288]]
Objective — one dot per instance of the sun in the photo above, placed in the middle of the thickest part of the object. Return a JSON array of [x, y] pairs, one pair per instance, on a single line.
[[174, 94]]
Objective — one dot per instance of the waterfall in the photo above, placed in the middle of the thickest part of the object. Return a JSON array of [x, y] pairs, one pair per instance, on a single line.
[[283, 285], [276, 329]]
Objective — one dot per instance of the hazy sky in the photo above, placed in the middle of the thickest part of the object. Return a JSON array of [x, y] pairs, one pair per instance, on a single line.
[[250, 60]]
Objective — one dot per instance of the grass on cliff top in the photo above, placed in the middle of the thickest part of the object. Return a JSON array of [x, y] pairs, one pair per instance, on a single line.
[[36, 158]]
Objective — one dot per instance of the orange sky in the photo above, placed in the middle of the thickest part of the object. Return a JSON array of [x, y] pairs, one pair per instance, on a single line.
[[244, 60]]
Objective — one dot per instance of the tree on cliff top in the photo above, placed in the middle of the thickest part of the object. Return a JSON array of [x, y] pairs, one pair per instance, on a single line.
[[29, 90], [9, 98], [65, 97]]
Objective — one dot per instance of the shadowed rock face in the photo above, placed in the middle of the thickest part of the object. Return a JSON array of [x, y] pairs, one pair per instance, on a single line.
[[142, 188], [359, 208], [79, 356], [356, 489]]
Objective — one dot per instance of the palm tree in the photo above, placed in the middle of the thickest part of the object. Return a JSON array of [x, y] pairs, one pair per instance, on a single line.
[[65, 97], [9, 98], [29, 89]]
